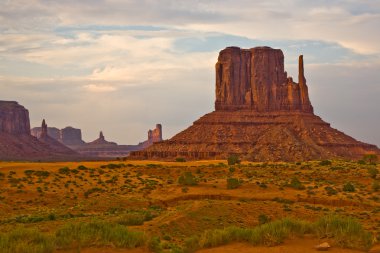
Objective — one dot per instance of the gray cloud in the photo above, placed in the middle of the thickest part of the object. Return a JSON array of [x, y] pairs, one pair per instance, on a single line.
[[137, 63]]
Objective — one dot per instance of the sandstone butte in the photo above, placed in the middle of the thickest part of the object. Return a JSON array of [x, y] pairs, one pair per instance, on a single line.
[[16, 142], [260, 114]]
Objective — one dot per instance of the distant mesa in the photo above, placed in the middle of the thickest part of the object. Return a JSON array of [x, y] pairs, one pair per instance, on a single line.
[[103, 148], [53, 144], [16, 142], [100, 148], [69, 136], [260, 114]]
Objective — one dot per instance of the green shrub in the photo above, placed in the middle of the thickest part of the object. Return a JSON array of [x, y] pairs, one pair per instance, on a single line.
[[233, 183], [263, 219], [135, 218], [180, 159], [231, 169], [233, 159], [92, 190], [154, 244], [26, 240], [371, 158], [187, 178], [64, 170], [373, 172], [375, 186], [348, 187], [97, 233], [296, 184], [347, 232], [330, 191], [325, 162]]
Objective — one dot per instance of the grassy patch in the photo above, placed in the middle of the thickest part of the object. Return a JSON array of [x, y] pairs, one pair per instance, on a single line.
[[23, 240], [99, 234], [346, 232]]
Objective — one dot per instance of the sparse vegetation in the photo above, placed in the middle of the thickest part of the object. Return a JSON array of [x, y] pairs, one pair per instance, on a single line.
[[97, 233], [348, 187], [233, 159], [233, 183], [187, 178], [117, 196]]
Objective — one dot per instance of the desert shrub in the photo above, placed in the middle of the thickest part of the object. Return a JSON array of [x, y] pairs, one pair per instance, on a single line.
[[330, 191], [325, 162], [180, 159], [371, 158], [233, 183], [113, 166], [92, 190], [233, 159], [42, 173], [187, 178], [135, 218], [26, 240], [373, 172], [269, 234], [28, 172], [154, 244], [64, 170], [82, 167], [97, 233], [375, 186], [263, 219], [347, 232], [296, 184], [231, 169], [348, 187]]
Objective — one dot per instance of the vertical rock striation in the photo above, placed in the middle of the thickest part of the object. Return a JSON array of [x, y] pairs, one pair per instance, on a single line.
[[14, 118], [255, 79]]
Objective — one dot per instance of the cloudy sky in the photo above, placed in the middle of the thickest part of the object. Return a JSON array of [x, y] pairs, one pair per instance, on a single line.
[[122, 66]]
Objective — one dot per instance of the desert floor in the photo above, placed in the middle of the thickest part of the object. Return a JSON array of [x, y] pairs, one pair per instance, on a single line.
[[148, 196]]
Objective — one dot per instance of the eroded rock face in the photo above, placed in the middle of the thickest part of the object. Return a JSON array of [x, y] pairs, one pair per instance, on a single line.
[[71, 136], [16, 141], [255, 79], [260, 114], [14, 118]]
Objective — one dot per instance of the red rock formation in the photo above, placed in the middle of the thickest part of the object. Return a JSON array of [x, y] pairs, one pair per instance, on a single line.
[[260, 114], [71, 137], [14, 118], [16, 142], [54, 145], [254, 79]]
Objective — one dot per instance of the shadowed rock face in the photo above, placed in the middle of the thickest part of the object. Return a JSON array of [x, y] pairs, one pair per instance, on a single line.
[[14, 118], [255, 79], [260, 114], [16, 142]]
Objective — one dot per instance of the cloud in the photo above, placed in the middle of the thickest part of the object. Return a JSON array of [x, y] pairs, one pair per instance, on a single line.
[[137, 63], [100, 88]]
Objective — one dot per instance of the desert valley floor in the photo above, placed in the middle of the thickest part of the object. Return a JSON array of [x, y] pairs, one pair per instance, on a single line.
[[188, 206]]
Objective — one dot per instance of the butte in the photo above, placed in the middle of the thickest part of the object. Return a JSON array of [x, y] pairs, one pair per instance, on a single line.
[[260, 114]]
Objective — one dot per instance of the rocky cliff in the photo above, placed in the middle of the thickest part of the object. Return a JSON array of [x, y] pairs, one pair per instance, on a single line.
[[14, 118], [69, 136], [16, 142], [54, 145], [255, 79], [260, 114]]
